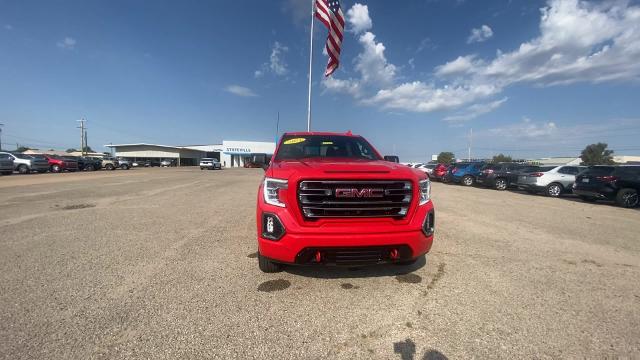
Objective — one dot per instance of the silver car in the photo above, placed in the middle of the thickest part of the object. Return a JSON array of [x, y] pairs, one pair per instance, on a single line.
[[24, 164], [6, 164], [551, 180]]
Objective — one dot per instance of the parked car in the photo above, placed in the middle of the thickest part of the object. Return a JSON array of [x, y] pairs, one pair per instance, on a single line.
[[109, 163], [501, 176], [59, 164], [427, 168], [6, 164], [124, 164], [439, 172], [86, 164], [209, 163], [152, 163], [551, 180], [168, 163], [464, 173], [618, 183], [25, 164]]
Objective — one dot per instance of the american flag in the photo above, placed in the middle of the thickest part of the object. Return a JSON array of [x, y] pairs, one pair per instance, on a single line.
[[329, 12]]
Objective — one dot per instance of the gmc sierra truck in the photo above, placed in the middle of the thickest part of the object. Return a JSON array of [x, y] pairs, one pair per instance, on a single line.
[[331, 199]]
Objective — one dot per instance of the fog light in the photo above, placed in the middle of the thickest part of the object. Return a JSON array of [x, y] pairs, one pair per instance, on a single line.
[[429, 225], [272, 227]]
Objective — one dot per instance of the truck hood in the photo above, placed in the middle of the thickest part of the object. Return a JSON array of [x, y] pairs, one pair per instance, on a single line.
[[341, 168]]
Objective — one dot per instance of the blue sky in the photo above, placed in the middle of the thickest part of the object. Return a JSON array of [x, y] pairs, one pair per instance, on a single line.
[[531, 78]]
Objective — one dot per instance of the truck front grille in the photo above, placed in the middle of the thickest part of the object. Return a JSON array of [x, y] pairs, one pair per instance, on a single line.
[[336, 198]]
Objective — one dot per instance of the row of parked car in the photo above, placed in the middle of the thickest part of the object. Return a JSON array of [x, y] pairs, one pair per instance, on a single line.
[[42, 163], [620, 183]]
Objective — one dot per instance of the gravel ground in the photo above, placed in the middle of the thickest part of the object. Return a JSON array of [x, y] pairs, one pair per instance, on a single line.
[[160, 264]]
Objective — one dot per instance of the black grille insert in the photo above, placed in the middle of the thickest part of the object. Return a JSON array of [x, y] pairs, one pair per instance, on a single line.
[[335, 198], [353, 255]]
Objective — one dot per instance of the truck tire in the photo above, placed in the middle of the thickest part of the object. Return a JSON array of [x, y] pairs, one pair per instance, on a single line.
[[268, 266], [501, 184], [55, 168], [627, 198], [89, 168], [124, 167], [109, 167], [468, 180], [553, 190], [23, 169]]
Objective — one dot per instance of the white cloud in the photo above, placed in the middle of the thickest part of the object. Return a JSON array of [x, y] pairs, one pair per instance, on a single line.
[[276, 64], [8, 27], [358, 18], [566, 51], [372, 63], [475, 110], [461, 65], [351, 87], [68, 43], [240, 91], [525, 129], [480, 34]]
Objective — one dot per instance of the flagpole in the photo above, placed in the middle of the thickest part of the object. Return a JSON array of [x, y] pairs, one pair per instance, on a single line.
[[313, 8]]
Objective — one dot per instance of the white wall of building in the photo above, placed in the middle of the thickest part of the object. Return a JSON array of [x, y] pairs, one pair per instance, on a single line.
[[235, 152]]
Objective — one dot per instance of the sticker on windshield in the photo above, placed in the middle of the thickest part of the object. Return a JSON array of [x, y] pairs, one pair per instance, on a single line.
[[294, 141], [327, 143]]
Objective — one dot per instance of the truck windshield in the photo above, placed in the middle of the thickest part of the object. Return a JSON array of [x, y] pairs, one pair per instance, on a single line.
[[295, 147]]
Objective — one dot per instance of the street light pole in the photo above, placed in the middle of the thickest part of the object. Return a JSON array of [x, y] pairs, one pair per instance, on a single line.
[[1, 125]]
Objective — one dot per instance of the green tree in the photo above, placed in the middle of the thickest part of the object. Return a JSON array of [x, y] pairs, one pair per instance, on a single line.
[[597, 154], [446, 157], [71, 150], [88, 149], [502, 158], [22, 149]]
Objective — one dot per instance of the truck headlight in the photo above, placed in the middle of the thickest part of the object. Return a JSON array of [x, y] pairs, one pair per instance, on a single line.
[[425, 191], [271, 189]]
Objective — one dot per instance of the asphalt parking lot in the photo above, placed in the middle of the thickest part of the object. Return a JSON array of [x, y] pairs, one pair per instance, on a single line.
[[160, 263]]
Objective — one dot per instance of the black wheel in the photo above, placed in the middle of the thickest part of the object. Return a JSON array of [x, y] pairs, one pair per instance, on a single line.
[[89, 168], [124, 167], [7, 172], [267, 265], [109, 167], [587, 198], [468, 180], [553, 190], [501, 184], [201, 168], [55, 168], [627, 198], [23, 169]]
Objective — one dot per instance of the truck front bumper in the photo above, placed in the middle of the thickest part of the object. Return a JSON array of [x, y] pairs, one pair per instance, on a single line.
[[360, 244]]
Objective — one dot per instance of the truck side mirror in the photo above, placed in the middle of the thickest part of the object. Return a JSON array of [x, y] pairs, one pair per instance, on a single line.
[[392, 158], [260, 160]]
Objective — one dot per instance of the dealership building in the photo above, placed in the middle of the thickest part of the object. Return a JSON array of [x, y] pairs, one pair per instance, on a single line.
[[229, 153]]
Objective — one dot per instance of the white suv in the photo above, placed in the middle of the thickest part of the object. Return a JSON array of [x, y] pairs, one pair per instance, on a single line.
[[210, 163], [552, 180]]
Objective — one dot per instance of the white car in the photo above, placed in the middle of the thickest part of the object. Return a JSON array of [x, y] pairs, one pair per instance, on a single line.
[[210, 163], [427, 168], [551, 180]]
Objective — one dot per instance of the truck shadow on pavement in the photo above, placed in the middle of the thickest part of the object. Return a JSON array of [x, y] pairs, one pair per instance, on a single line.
[[407, 351], [402, 272]]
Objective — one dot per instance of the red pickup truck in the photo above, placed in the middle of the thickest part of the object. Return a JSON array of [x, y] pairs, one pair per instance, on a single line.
[[331, 199], [59, 164]]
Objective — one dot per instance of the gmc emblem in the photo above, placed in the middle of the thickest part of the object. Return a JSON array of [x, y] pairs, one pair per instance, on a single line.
[[362, 193]]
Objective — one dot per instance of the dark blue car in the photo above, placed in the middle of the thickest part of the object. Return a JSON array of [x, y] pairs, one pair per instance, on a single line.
[[465, 173]]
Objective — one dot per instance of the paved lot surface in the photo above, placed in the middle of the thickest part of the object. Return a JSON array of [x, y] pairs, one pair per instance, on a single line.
[[160, 263]]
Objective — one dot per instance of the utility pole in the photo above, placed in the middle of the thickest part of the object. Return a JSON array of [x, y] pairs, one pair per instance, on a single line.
[[1, 125], [82, 135], [470, 143]]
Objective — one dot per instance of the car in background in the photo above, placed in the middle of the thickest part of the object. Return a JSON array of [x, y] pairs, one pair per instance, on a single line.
[[439, 172], [109, 163], [85, 163], [501, 176], [210, 164], [25, 164], [551, 180], [464, 173], [167, 163], [152, 163], [426, 168], [59, 164], [124, 164], [618, 183], [6, 164]]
